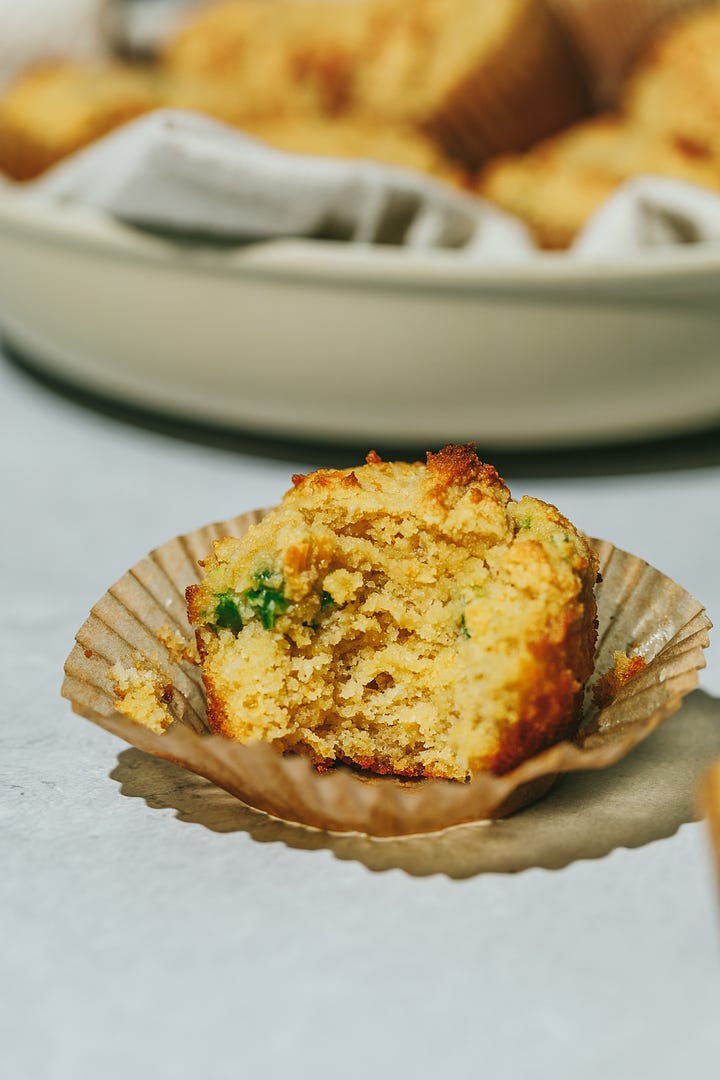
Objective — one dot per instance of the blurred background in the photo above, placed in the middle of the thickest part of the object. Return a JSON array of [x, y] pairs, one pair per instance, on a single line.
[[534, 112]]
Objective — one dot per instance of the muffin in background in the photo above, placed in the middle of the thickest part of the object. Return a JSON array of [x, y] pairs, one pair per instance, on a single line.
[[57, 108], [279, 57], [675, 88], [559, 184], [480, 76], [667, 124], [54, 110]]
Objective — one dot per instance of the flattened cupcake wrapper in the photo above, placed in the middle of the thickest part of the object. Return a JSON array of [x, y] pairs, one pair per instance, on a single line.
[[141, 624]]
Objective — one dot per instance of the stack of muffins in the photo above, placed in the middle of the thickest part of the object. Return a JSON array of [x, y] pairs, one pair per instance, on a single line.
[[492, 95], [439, 84], [667, 123]]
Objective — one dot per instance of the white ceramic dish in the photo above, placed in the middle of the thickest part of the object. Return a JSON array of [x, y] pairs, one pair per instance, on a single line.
[[320, 340]]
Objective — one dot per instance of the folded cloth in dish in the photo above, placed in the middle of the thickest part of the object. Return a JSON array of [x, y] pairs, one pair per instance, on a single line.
[[181, 172], [650, 212]]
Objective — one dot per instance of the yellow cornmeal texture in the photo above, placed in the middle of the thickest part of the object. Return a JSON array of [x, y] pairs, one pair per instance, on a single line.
[[408, 618], [142, 694]]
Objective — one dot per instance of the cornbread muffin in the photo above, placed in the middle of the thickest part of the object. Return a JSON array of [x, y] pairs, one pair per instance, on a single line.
[[410, 619], [675, 87], [142, 693], [668, 124], [558, 185], [55, 109], [281, 57], [468, 77], [481, 76]]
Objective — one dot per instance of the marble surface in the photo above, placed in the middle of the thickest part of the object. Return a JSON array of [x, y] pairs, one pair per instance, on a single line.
[[151, 925]]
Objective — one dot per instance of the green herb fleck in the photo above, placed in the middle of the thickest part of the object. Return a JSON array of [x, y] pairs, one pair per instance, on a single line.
[[463, 628], [268, 603], [227, 612], [326, 600], [525, 523]]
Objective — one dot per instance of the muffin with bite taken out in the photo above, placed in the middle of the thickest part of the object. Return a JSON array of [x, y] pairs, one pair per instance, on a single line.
[[407, 619]]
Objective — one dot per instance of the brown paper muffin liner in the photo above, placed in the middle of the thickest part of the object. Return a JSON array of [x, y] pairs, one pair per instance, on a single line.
[[140, 625], [610, 35], [531, 87]]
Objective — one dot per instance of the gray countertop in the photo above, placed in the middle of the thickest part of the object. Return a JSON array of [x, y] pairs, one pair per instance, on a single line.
[[151, 925]]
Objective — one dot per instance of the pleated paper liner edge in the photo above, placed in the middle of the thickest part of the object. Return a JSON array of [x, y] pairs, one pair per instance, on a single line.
[[639, 608]]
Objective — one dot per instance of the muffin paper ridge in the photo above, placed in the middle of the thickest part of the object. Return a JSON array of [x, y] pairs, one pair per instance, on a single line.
[[639, 609]]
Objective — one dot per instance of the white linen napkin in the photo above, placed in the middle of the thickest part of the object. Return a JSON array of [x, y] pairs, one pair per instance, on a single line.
[[182, 172], [649, 212]]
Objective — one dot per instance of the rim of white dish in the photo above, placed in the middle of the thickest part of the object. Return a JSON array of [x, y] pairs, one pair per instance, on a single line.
[[74, 225]]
